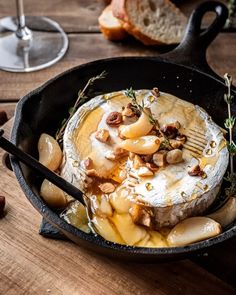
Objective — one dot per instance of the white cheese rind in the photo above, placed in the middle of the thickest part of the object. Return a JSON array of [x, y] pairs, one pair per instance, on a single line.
[[175, 194]]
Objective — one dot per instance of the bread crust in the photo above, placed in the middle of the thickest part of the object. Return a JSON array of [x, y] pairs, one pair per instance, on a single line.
[[113, 33], [120, 12]]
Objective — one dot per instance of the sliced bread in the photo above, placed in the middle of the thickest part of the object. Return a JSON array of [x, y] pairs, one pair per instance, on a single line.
[[110, 26], [154, 22]]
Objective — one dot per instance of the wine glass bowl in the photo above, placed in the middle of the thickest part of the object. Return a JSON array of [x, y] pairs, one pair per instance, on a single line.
[[30, 43]]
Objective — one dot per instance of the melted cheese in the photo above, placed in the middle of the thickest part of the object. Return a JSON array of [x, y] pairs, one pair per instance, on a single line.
[[174, 195]]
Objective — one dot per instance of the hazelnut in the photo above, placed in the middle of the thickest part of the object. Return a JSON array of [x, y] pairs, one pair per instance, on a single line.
[[169, 130], [175, 156], [114, 119], [92, 173], [107, 187], [88, 163], [138, 162], [2, 205], [152, 167], [176, 144], [196, 171], [155, 92], [144, 172], [159, 158], [102, 135]]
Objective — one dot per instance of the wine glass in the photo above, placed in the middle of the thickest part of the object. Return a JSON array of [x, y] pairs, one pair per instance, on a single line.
[[30, 43]]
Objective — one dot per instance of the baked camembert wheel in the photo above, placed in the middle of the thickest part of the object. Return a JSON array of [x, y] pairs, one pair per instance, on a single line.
[[147, 160]]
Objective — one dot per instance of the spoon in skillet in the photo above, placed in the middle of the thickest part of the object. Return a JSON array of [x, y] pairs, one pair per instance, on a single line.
[[46, 173]]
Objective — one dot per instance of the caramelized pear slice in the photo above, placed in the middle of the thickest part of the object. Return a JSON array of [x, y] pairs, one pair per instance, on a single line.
[[50, 154], [129, 232], [226, 214], [53, 195], [145, 145], [107, 230], [76, 215], [140, 128], [192, 230]]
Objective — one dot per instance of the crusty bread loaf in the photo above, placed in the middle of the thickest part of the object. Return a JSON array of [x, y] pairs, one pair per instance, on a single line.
[[154, 22], [110, 26]]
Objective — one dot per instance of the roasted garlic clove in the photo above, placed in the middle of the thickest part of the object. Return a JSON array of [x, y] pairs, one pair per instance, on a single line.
[[140, 128], [53, 195], [226, 214], [192, 230], [50, 154], [144, 145]]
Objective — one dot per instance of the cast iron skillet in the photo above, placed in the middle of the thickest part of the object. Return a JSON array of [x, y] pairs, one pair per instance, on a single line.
[[184, 72]]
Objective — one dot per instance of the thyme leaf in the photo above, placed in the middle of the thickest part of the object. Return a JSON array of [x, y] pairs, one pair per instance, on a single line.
[[231, 7], [229, 124], [82, 97]]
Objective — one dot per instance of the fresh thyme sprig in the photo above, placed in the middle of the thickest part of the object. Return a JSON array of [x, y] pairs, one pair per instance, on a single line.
[[141, 108], [82, 97], [231, 7], [229, 124], [230, 121]]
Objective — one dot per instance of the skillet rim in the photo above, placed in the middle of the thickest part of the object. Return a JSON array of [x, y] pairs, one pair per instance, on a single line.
[[98, 241]]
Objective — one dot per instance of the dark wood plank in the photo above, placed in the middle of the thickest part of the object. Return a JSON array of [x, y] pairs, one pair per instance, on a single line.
[[31, 264], [9, 108], [87, 47]]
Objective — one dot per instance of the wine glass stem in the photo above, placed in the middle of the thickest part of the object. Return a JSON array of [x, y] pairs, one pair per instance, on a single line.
[[22, 31]]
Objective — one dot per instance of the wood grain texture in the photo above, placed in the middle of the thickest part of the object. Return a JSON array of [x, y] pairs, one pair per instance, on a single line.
[[31, 264], [79, 15], [87, 47], [9, 108]]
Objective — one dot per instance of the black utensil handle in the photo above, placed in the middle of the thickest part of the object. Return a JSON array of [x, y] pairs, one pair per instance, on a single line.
[[192, 50], [44, 171]]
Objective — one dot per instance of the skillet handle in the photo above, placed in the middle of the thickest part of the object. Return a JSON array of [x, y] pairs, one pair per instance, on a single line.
[[192, 50]]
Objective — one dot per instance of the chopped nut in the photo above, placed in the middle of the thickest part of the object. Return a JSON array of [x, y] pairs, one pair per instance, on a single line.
[[144, 172], [169, 130], [117, 154], [141, 215], [146, 158], [88, 163], [128, 111], [159, 158], [175, 156], [107, 187], [176, 144], [102, 135], [138, 162], [152, 167], [177, 124], [114, 119], [181, 137], [155, 91], [131, 155], [2, 205], [92, 173], [196, 171]]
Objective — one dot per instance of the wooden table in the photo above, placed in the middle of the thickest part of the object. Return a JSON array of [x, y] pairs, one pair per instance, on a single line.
[[31, 264]]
